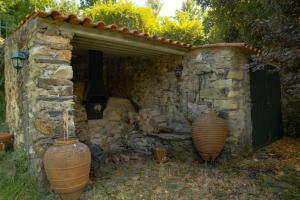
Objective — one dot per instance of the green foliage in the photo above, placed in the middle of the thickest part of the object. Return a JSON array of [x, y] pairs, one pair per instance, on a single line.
[[273, 26], [126, 14], [193, 10], [88, 3], [292, 178], [186, 26], [3, 127], [18, 9], [67, 7], [181, 28], [16, 182]]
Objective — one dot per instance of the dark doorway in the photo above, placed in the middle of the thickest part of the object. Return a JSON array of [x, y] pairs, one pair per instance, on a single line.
[[266, 107]]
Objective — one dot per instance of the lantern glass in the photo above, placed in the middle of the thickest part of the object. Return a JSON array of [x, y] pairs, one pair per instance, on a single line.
[[16, 63], [19, 59]]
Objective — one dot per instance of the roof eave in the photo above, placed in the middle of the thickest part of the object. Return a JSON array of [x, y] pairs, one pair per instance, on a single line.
[[115, 37], [241, 46]]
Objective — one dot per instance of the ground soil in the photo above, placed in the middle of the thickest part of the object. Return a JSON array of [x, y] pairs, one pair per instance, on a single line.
[[270, 173]]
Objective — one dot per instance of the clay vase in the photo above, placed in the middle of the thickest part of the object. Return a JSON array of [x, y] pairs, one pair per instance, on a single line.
[[5, 140], [160, 155], [209, 133], [67, 164]]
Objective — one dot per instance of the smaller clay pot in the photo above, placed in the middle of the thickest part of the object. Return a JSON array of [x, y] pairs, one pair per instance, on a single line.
[[160, 155], [5, 140]]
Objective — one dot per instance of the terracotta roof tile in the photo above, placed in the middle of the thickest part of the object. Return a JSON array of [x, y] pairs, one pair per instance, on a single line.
[[88, 22], [241, 46]]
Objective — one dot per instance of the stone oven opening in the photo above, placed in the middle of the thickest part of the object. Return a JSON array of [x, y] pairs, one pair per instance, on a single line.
[[95, 93], [89, 87]]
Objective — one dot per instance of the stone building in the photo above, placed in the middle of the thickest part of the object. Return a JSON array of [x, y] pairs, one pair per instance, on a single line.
[[120, 89]]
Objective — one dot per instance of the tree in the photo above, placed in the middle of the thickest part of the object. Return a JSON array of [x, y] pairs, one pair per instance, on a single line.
[[155, 5], [124, 13], [18, 9], [182, 29], [67, 6], [191, 7], [186, 26], [270, 25], [88, 3]]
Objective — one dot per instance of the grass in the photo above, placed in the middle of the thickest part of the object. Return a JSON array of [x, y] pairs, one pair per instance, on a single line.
[[182, 181], [271, 173], [16, 183], [292, 178], [3, 127]]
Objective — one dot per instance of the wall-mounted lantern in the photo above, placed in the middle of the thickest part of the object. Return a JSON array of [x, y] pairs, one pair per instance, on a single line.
[[19, 59], [178, 71]]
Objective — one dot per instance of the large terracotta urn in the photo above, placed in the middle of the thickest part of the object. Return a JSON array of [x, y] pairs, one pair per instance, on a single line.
[[209, 133], [67, 165]]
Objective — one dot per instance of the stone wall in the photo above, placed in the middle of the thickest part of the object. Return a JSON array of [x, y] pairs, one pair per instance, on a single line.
[[216, 78], [212, 79], [15, 85], [38, 94]]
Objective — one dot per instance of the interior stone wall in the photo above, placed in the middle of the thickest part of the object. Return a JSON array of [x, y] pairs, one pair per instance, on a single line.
[[38, 94], [148, 83], [212, 79]]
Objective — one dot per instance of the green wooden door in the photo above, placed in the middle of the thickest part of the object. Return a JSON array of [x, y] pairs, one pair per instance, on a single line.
[[266, 107]]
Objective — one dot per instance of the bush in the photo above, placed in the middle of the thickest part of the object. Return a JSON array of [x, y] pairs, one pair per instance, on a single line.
[[183, 29], [124, 13]]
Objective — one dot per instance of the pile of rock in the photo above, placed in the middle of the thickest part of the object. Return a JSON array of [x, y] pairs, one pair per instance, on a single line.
[[125, 134], [151, 120], [108, 131]]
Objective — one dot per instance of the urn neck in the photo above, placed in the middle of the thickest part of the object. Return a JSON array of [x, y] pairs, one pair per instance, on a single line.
[[66, 141]]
